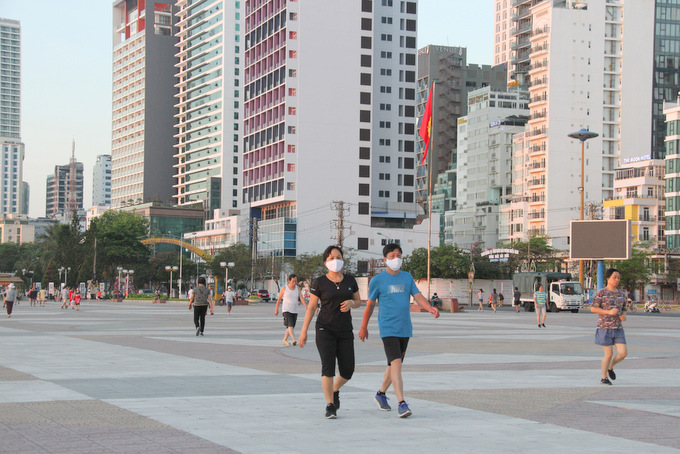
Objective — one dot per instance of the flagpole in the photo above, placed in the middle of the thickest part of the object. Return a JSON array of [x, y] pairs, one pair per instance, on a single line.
[[429, 195]]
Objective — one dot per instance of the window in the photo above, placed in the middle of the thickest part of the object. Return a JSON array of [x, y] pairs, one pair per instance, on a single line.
[[364, 171], [362, 245], [364, 189], [364, 208], [366, 61]]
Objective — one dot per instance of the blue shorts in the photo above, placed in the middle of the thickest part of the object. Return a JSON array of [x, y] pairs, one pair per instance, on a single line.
[[606, 337]]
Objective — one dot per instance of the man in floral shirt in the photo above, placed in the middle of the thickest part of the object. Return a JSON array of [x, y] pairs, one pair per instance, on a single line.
[[610, 304]]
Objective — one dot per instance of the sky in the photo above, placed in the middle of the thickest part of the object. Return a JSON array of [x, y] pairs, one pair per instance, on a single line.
[[66, 75]]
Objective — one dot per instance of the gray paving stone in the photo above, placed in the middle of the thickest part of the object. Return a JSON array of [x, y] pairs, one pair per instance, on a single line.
[[133, 377]]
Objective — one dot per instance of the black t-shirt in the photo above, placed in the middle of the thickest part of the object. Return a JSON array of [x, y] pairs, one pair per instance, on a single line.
[[330, 297]]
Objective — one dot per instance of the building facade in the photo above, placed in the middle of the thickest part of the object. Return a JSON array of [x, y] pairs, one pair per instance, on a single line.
[[12, 195], [101, 181], [64, 191], [580, 61], [329, 124], [143, 135], [484, 165], [209, 104], [455, 80]]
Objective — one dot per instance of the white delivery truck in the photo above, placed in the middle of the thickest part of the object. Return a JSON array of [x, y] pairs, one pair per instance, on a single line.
[[563, 293]]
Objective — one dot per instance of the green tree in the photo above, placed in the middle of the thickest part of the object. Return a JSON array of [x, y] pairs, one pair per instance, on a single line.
[[446, 262], [62, 244], [307, 267], [533, 255], [635, 273], [118, 236], [240, 255]]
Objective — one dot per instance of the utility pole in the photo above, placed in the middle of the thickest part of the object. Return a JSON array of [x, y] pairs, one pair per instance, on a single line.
[[339, 206], [253, 258]]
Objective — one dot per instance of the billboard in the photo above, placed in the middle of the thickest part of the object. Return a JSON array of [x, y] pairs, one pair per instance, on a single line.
[[600, 240]]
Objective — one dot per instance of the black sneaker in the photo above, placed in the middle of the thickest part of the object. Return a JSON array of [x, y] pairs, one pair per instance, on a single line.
[[605, 381], [611, 374], [331, 412], [543, 325], [539, 325], [336, 399], [198, 331]]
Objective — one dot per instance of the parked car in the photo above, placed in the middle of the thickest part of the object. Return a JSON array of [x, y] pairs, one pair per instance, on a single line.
[[263, 294], [145, 291]]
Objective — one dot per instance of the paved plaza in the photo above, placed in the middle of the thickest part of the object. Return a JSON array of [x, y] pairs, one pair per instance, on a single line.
[[133, 377]]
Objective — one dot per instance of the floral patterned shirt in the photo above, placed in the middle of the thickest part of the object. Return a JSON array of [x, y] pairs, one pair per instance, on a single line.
[[606, 299]]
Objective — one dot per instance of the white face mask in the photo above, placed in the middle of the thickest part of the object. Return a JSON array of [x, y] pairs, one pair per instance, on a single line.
[[394, 264], [334, 265]]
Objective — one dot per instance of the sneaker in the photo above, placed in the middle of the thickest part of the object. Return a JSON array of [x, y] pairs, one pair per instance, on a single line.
[[605, 381], [381, 400], [331, 412], [294, 342], [611, 374], [286, 343], [198, 331], [543, 325], [539, 325], [201, 333], [336, 399], [404, 411]]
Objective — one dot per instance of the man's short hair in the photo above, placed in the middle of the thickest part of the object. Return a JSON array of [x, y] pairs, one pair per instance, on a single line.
[[389, 247], [201, 280]]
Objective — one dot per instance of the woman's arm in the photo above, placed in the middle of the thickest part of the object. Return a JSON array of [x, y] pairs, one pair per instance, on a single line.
[[311, 310]]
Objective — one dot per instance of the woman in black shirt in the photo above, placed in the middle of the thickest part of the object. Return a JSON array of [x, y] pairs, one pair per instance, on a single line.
[[336, 293]]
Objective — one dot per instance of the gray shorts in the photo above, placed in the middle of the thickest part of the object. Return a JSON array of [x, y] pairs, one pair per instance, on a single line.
[[540, 310]]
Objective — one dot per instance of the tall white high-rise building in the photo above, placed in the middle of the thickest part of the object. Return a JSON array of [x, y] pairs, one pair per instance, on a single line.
[[330, 123], [484, 165], [12, 150], [142, 151], [101, 181], [587, 65], [209, 102]]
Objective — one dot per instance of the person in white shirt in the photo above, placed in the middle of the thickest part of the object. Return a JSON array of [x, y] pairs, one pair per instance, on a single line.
[[229, 296], [290, 295]]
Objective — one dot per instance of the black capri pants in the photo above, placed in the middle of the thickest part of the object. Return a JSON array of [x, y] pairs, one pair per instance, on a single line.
[[332, 346]]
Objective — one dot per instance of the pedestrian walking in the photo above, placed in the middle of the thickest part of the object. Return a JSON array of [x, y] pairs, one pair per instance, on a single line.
[[9, 297], [540, 298], [290, 296], [480, 297], [229, 296], [336, 293], [201, 300], [494, 300], [393, 289], [516, 296], [611, 306], [64, 297], [76, 299]]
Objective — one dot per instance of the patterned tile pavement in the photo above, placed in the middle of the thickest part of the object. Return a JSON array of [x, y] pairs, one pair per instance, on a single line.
[[133, 377]]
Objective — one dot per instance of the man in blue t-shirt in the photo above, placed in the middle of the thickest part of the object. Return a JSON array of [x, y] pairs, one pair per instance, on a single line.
[[393, 289]]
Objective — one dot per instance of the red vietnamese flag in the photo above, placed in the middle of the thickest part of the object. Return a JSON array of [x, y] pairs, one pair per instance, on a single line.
[[426, 124]]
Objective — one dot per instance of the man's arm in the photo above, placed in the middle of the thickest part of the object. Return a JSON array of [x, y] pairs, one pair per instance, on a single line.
[[422, 302], [363, 331], [278, 301]]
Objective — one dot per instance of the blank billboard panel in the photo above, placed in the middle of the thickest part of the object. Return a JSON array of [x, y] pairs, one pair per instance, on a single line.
[[600, 240]]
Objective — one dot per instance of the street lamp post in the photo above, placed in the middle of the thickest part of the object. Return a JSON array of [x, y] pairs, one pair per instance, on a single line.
[[170, 269], [226, 267], [471, 278], [127, 281], [120, 270], [582, 134]]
